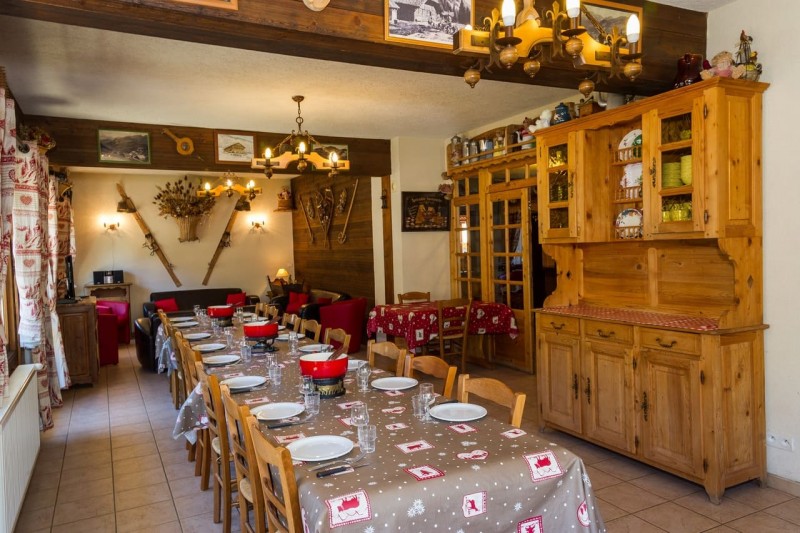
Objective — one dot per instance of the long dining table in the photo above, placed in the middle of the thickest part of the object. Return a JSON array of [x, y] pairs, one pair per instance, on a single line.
[[459, 476]]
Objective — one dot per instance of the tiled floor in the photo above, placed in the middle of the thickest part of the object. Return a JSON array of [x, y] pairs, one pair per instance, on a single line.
[[111, 464]]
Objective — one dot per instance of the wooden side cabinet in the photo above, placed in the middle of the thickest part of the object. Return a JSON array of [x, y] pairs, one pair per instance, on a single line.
[[79, 331]]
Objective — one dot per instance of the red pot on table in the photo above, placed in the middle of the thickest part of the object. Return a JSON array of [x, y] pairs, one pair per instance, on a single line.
[[316, 366], [220, 311], [260, 329]]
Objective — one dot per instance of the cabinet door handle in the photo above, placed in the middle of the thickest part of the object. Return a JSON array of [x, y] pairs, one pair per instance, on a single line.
[[588, 390], [666, 344], [645, 405], [653, 172], [603, 334], [575, 385], [558, 327]]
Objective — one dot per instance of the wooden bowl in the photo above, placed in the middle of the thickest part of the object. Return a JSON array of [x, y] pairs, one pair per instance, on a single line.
[[316, 366]]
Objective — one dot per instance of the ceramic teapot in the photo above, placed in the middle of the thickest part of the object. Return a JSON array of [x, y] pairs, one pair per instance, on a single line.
[[561, 113]]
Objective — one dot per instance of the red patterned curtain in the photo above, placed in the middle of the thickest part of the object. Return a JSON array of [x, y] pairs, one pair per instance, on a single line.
[[8, 146]]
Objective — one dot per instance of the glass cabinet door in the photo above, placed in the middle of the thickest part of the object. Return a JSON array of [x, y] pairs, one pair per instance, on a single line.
[[557, 189], [509, 241]]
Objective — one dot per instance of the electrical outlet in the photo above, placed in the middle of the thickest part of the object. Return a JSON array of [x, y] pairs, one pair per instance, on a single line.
[[781, 442]]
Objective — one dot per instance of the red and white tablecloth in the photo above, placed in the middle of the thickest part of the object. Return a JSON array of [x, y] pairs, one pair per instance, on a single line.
[[418, 323]]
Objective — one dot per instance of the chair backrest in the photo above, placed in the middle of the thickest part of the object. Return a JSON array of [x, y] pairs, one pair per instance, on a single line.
[[281, 500], [414, 296], [453, 328], [387, 350], [337, 337], [494, 390], [189, 357], [243, 458], [311, 328], [217, 426], [168, 329], [261, 309], [291, 321], [273, 312], [432, 366]]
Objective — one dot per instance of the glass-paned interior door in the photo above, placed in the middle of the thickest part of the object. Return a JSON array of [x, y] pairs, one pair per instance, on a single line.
[[467, 248]]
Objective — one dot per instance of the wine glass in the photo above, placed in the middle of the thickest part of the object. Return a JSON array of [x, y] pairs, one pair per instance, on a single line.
[[359, 416], [426, 391], [362, 375]]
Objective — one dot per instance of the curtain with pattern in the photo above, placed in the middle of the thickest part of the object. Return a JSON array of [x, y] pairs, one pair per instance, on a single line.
[[8, 146]]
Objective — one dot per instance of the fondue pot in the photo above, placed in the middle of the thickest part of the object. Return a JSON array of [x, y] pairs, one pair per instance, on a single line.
[[328, 375], [220, 311], [261, 329]]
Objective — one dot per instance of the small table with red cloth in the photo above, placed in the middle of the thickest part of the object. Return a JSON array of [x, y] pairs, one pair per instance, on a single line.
[[418, 322]]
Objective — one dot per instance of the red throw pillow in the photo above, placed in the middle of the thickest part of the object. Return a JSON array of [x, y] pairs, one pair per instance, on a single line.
[[167, 305], [324, 301], [296, 301], [237, 299]]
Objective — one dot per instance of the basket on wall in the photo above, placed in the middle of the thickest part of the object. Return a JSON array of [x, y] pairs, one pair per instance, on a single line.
[[188, 228]]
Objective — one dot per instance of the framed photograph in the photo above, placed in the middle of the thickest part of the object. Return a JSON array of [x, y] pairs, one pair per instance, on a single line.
[[609, 15], [429, 23], [124, 147], [222, 4], [425, 211], [232, 147]]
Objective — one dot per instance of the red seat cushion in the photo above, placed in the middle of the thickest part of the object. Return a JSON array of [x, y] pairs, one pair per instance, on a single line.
[[237, 299], [296, 301], [167, 305], [324, 301], [350, 315]]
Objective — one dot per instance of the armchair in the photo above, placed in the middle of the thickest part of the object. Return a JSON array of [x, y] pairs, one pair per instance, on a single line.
[[122, 312], [310, 310], [107, 336], [349, 315]]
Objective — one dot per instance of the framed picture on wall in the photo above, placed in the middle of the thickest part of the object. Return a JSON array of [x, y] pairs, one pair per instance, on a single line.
[[603, 16], [425, 211], [123, 147], [232, 147], [430, 23]]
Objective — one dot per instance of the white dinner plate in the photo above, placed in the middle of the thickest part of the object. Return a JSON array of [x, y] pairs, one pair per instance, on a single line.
[[285, 336], [394, 383], [210, 347], [221, 360], [314, 348], [248, 315], [197, 336], [186, 324], [181, 318], [320, 448], [632, 138], [457, 412], [277, 410], [353, 364], [281, 328], [243, 382]]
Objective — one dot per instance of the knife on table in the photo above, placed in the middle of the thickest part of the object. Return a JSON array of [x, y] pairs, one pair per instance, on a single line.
[[287, 424], [339, 470]]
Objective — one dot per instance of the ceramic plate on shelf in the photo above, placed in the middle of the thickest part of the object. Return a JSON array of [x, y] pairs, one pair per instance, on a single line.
[[210, 347], [629, 218], [181, 318], [186, 324], [633, 174], [243, 382], [285, 336], [197, 336], [319, 448], [394, 383], [221, 360], [632, 138], [457, 412], [278, 410]]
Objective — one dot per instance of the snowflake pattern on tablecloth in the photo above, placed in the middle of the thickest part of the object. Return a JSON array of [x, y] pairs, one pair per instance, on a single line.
[[328, 485], [468, 443], [369, 529], [518, 506], [476, 467], [416, 509]]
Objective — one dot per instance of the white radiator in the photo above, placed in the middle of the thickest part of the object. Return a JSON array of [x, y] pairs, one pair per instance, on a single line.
[[19, 443]]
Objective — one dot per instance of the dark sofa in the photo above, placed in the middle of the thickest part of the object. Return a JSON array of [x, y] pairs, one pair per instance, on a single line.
[[310, 310], [146, 327]]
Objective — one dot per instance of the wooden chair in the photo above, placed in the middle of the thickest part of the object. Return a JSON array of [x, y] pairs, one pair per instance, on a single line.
[[197, 451], [218, 450], [337, 335], [311, 328], [244, 462], [176, 375], [261, 309], [453, 329], [291, 321], [281, 500], [493, 390], [413, 296], [387, 350], [273, 312], [432, 366]]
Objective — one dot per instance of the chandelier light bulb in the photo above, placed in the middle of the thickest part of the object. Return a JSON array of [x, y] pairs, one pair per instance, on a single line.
[[633, 29], [267, 154], [573, 8], [302, 148], [509, 13], [334, 158]]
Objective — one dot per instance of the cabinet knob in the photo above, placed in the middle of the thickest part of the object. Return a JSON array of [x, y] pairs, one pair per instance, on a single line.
[[557, 327], [575, 385], [588, 390]]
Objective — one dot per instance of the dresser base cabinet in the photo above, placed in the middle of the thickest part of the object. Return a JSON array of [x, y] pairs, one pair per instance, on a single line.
[[79, 331], [688, 403]]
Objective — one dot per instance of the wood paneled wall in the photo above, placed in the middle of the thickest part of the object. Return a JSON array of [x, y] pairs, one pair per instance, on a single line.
[[347, 267]]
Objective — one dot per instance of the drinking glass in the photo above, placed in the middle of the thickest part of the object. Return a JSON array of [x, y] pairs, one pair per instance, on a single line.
[[418, 406], [271, 359], [367, 436], [426, 391], [215, 327], [293, 343], [247, 352], [229, 336], [359, 416], [312, 402], [362, 376], [196, 309], [306, 384], [275, 375]]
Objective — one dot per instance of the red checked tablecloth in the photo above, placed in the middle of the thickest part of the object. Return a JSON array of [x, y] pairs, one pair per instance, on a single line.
[[418, 323]]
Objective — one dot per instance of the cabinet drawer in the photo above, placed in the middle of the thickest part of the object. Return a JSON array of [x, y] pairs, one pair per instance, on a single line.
[[671, 340], [559, 324], [608, 331]]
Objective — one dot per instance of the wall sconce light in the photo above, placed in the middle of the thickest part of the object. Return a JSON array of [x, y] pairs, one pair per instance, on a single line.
[[258, 224], [111, 225]]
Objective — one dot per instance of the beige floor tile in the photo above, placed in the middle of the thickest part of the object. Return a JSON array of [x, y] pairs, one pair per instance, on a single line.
[[80, 476], [666, 485], [163, 421], [194, 504], [762, 523], [128, 499], [721, 529], [171, 445], [128, 429], [48, 466], [676, 519], [146, 449], [51, 453], [147, 516], [173, 457], [87, 460], [44, 481], [134, 464], [624, 468], [755, 496], [179, 470], [171, 527], [39, 499], [185, 487], [204, 523], [98, 524], [726, 511], [127, 420], [131, 440], [629, 497], [600, 479], [34, 520], [141, 478], [631, 524], [87, 446], [86, 490], [789, 511], [83, 509], [609, 511]]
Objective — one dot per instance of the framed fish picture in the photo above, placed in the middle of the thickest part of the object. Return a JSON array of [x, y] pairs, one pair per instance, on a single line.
[[233, 147]]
